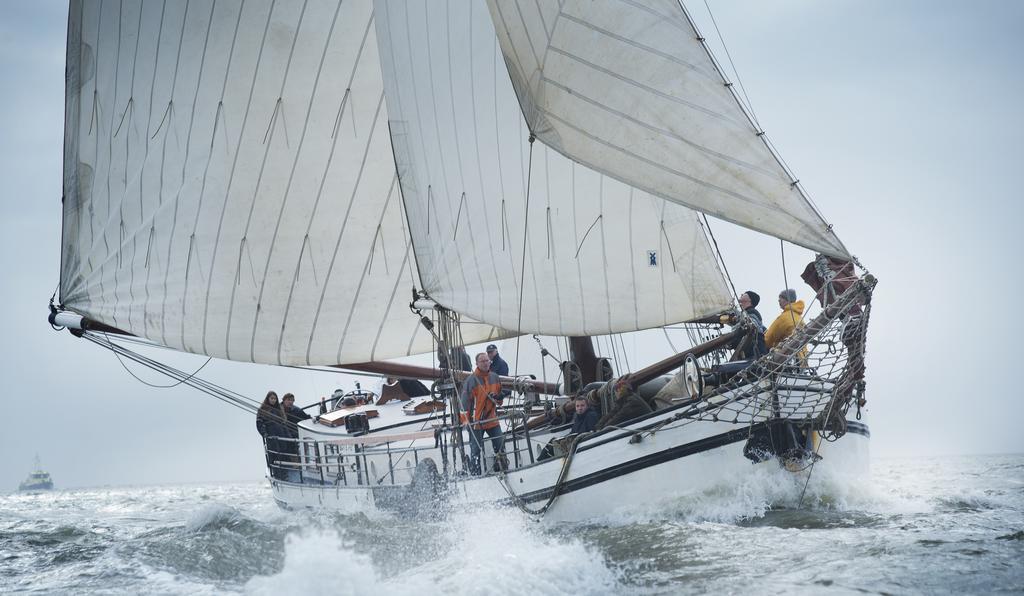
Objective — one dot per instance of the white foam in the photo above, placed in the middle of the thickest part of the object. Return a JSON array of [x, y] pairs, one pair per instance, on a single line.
[[756, 489], [503, 551], [211, 514], [317, 563], [484, 551], [164, 582]]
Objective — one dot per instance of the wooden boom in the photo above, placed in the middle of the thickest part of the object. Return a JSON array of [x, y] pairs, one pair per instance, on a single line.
[[409, 371]]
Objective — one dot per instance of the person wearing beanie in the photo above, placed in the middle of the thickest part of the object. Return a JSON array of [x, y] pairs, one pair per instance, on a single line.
[[748, 301], [788, 320]]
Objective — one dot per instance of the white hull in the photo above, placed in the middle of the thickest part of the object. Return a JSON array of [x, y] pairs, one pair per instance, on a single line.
[[608, 472]]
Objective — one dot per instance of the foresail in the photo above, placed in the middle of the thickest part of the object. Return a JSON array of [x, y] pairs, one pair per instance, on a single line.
[[627, 88], [229, 184], [600, 256]]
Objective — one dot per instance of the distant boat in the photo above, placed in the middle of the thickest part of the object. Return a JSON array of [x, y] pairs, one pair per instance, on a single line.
[[37, 480]]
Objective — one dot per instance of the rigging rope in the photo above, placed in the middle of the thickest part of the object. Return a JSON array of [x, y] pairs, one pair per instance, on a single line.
[[555, 490], [231, 398], [748, 108], [735, 72], [625, 358], [785, 278], [814, 375], [522, 266], [153, 385], [707, 224]]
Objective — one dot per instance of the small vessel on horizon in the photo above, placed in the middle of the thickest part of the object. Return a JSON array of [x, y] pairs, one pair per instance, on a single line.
[[37, 480]]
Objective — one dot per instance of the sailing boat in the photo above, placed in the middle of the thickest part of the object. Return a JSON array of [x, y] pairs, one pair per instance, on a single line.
[[271, 182], [38, 480]]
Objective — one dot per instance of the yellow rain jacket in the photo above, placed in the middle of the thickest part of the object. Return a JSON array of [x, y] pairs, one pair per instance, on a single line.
[[782, 327]]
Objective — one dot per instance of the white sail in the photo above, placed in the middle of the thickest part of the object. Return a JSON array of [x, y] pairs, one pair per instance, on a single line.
[[601, 256], [229, 184], [626, 87]]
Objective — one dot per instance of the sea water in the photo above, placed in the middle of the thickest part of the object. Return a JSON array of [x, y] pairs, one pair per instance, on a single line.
[[925, 525]]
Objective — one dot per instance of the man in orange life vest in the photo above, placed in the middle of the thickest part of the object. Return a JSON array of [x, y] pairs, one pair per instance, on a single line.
[[481, 394]]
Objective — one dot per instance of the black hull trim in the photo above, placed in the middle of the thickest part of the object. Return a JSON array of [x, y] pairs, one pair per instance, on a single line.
[[700, 446]]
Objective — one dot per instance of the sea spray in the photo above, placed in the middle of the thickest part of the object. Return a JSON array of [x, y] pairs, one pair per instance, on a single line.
[[941, 524], [486, 550]]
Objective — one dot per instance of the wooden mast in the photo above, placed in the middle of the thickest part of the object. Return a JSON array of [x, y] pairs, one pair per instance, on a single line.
[[581, 351]]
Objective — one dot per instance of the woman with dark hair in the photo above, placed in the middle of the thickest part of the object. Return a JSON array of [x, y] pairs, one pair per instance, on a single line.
[[270, 423]]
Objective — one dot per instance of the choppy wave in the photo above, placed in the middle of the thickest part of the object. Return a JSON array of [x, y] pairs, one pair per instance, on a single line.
[[479, 552], [951, 524]]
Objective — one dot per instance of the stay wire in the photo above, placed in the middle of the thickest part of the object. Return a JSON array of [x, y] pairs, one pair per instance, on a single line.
[[522, 267], [721, 260], [748, 107], [246, 402], [625, 358], [735, 72], [219, 393], [154, 385], [195, 382], [785, 278], [232, 398]]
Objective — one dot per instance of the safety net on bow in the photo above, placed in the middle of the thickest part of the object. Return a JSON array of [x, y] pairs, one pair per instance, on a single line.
[[812, 378], [815, 375]]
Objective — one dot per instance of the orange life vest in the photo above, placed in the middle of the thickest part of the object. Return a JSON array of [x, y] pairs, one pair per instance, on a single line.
[[479, 406]]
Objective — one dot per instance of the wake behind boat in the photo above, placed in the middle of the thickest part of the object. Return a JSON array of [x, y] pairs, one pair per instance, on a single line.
[[266, 183]]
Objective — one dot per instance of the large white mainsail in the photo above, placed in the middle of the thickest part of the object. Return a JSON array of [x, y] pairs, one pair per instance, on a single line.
[[601, 256], [628, 88], [229, 183], [230, 189]]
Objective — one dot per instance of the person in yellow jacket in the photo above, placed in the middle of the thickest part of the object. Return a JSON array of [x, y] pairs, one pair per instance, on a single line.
[[788, 320], [481, 394]]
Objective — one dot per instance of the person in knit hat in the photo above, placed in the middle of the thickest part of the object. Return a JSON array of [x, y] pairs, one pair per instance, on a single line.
[[788, 320], [748, 301]]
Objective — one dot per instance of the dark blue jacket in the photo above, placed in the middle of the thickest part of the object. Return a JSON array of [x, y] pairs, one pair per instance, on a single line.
[[295, 414], [271, 423], [585, 423], [759, 349], [498, 365]]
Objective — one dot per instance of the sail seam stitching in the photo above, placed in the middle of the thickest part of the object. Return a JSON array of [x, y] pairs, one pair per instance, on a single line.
[[666, 133], [230, 183], [344, 225], [366, 268]]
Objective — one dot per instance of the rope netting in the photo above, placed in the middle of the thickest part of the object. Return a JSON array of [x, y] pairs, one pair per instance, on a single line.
[[815, 375]]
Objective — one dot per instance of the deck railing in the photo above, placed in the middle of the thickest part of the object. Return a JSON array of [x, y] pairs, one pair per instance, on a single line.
[[375, 460]]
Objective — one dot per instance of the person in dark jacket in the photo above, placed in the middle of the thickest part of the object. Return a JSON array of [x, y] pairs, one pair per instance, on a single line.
[[270, 423], [585, 419], [498, 364], [293, 414], [748, 302]]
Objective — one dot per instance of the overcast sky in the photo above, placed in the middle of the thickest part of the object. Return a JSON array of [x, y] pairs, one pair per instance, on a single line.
[[901, 118]]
